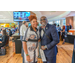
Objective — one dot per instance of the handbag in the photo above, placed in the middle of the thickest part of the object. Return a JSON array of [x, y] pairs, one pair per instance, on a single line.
[[2, 51], [50, 39]]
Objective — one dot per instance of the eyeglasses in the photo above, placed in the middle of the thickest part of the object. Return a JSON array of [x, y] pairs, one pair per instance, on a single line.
[[42, 19]]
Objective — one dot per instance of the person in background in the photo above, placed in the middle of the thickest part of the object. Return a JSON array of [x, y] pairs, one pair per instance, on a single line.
[[70, 26], [6, 32], [2, 28], [17, 28], [22, 32], [4, 39], [0, 34], [13, 32], [27, 25], [63, 36], [54, 24], [10, 33], [58, 29]]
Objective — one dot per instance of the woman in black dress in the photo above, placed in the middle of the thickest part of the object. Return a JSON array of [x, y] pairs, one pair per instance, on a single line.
[[63, 36]]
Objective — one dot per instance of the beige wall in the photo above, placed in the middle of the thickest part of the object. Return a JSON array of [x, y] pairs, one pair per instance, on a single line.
[[74, 22], [69, 20]]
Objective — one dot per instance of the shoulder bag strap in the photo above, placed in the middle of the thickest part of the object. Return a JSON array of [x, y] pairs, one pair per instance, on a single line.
[[46, 35], [49, 38]]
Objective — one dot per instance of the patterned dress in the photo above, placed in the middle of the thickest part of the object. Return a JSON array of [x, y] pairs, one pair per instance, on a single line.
[[31, 37]]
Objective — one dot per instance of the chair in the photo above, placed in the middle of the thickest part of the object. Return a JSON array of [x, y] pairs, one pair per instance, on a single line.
[[3, 49]]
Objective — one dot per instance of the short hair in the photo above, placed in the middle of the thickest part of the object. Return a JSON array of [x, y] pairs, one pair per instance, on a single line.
[[9, 29], [24, 22], [55, 24], [44, 17], [31, 17], [58, 25], [4, 32]]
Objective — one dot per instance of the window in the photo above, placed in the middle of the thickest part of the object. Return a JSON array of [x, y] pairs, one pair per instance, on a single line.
[[64, 21], [57, 22], [51, 22]]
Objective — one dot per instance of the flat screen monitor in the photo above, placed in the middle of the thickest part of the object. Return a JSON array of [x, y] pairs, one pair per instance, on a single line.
[[21, 16]]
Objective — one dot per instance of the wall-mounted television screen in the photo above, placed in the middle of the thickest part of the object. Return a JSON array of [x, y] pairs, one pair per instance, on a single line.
[[21, 16]]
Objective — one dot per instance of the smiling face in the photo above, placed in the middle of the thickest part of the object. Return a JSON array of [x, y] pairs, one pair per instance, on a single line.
[[43, 20], [34, 23]]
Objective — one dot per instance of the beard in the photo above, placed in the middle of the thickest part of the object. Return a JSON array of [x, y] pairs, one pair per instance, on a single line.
[[43, 24]]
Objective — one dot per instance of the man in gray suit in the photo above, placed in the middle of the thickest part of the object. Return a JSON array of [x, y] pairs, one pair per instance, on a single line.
[[49, 39]]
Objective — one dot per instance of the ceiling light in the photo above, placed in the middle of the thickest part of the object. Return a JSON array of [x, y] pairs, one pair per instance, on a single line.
[[1, 15]]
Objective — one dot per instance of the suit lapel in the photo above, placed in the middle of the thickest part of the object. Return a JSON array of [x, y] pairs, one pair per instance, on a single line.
[[47, 26]]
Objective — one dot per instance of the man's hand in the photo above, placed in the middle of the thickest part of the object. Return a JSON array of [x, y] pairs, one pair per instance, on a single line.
[[43, 48]]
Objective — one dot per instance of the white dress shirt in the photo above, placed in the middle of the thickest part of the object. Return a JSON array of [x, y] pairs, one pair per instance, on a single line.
[[42, 33], [22, 30]]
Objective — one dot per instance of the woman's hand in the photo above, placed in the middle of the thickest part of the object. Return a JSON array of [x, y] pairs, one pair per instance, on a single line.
[[0, 42], [39, 40], [28, 58], [26, 39]]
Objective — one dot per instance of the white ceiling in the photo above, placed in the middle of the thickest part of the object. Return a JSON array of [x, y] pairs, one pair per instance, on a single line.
[[7, 16]]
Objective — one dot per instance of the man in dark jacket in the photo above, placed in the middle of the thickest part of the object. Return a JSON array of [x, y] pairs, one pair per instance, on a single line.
[[10, 32], [49, 39]]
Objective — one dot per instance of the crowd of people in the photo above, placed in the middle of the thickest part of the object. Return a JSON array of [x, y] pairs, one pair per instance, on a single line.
[[61, 31], [5, 34], [4, 38]]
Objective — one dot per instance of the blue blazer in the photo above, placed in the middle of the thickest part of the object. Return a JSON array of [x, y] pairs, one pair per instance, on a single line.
[[50, 31]]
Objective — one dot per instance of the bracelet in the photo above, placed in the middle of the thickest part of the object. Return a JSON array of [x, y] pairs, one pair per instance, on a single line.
[[26, 54]]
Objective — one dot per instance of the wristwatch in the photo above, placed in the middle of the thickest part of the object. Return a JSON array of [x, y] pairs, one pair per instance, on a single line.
[[45, 46]]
